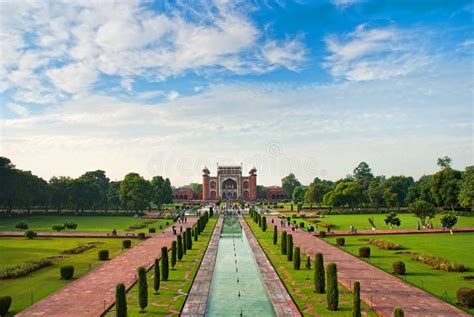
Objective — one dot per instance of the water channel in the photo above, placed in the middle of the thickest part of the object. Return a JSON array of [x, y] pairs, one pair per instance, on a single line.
[[237, 288]]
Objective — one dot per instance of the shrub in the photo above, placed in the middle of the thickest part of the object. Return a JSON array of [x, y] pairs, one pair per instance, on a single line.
[[332, 292], [264, 223], [449, 220], [151, 230], [465, 297], [398, 312], [156, 276], [356, 304], [308, 262], [5, 303], [142, 289], [58, 227], [195, 233], [297, 259], [120, 301], [283, 242], [185, 241], [439, 263], [322, 234], [164, 264], [364, 252], [126, 244], [340, 241], [180, 247], [289, 247], [319, 278], [189, 239], [103, 255], [399, 268], [70, 225], [141, 235], [24, 268], [81, 248], [21, 225], [173, 254], [386, 245], [275, 235], [137, 226], [67, 272], [301, 224], [30, 234]]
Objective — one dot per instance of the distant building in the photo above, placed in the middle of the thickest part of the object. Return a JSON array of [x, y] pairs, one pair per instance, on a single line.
[[229, 184], [275, 193], [183, 193]]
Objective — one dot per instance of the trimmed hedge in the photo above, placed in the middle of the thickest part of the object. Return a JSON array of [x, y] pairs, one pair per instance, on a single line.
[[398, 312], [386, 245], [120, 301], [22, 225], [103, 255], [5, 303], [67, 272], [275, 235], [126, 244], [399, 268], [165, 270], [340, 241], [283, 242], [465, 297], [58, 227], [142, 289], [364, 252], [319, 279], [30, 234], [24, 268], [332, 291], [156, 276], [308, 262], [289, 247], [356, 303], [322, 234], [141, 235], [297, 259], [151, 230], [180, 247], [173, 254]]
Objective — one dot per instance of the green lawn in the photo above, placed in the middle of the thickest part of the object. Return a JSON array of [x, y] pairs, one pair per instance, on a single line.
[[408, 221], [38, 284], [299, 282], [455, 248], [85, 223], [170, 299]]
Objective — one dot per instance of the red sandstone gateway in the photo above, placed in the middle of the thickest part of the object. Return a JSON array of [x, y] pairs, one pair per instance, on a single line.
[[229, 184]]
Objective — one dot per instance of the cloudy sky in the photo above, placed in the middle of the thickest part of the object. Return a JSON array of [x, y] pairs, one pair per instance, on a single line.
[[163, 88]]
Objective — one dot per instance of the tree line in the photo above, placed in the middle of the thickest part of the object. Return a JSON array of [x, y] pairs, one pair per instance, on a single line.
[[91, 191], [448, 188]]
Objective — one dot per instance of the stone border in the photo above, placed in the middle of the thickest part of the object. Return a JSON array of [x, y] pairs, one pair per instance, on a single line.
[[282, 302], [196, 301], [91, 234]]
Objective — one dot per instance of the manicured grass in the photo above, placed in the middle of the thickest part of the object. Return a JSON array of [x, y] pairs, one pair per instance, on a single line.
[[408, 221], [300, 282], [40, 283], [455, 248], [85, 223], [170, 299]]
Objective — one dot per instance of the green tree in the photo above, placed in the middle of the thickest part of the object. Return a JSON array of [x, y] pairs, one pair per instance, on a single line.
[[173, 254], [375, 191], [444, 162], [449, 220], [362, 172], [392, 220], [142, 289], [399, 185], [391, 198], [275, 235], [398, 312], [308, 262], [319, 278], [164, 264], [264, 223], [261, 192], [289, 183], [332, 287], [180, 247], [445, 187], [189, 239], [135, 192], [356, 303], [424, 211], [100, 181], [283, 242], [466, 192], [156, 276], [120, 301], [160, 191], [60, 188], [298, 194], [185, 241], [297, 259], [289, 247], [113, 195]]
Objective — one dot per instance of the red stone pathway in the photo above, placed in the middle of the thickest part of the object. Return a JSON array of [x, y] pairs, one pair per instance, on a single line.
[[94, 293], [74, 234], [393, 231], [380, 290]]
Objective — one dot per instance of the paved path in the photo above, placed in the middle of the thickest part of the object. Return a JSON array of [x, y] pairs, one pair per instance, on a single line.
[[195, 305], [380, 290], [94, 293], [393, 231], [281, 300], [76, 234]]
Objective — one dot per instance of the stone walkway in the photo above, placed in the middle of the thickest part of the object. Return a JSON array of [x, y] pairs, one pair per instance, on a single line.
[[380, 290], [281, 300], [94, 293], [195, 305], [393, 231]]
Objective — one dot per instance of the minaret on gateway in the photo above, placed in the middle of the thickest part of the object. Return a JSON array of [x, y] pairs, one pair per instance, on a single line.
[[229, 184]]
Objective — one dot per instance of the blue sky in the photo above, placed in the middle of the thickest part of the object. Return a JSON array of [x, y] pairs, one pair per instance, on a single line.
[[164, 88]]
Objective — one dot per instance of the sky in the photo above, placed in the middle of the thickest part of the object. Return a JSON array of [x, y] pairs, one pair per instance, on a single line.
[[166, 88]]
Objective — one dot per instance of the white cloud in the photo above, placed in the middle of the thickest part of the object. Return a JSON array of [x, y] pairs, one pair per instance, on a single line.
[[131, 41], [173, 95], [344, 3], [374, 53], [18, 109]]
